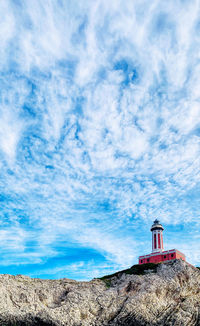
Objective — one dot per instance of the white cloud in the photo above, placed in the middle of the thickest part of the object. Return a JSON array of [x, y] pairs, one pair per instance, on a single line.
[[11, 129]]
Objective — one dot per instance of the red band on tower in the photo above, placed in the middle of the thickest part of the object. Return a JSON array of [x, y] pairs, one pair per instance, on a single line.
[[158, 240]]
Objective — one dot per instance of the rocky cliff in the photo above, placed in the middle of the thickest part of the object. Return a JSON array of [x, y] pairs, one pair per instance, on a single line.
[[167, 294]]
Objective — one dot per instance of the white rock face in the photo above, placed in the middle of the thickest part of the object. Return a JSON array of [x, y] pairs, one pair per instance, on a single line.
[[171, 296]]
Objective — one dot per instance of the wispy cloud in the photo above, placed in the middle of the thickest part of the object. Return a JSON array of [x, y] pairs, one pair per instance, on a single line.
[[99, 128]]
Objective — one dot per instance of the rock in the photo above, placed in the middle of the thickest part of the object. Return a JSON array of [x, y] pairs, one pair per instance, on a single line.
[[169, 295]]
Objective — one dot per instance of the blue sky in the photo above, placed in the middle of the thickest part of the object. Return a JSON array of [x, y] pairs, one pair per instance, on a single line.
[[99, 133]]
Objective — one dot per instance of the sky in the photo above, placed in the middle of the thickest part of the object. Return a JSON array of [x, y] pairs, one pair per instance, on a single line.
[[99, 133]]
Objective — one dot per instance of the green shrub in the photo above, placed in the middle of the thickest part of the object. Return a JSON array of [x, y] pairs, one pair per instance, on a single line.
[[134, 270]]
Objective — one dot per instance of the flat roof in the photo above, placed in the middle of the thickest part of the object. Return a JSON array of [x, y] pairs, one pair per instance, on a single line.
[[161, 253]]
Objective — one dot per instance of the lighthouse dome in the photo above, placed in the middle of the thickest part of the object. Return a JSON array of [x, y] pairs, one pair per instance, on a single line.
[[157, 225]]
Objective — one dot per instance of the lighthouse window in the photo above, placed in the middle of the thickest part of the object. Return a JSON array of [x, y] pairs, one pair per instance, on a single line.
[[147, 259], [172, 255], [141, 260], [164, 256]]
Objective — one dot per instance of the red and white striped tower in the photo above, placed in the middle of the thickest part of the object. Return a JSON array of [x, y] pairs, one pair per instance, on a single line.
[[157, 236]]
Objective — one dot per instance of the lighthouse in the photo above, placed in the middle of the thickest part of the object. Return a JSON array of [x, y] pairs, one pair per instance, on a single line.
[[158, 255], [157, 236]]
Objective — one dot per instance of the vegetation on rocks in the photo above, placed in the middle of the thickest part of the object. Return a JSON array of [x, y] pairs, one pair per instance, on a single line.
[[134, 270]]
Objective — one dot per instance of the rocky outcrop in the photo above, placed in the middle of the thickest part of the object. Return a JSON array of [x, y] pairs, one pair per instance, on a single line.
[[166, 295]]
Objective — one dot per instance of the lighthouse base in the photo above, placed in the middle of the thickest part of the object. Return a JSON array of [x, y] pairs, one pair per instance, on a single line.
[[159, 257]]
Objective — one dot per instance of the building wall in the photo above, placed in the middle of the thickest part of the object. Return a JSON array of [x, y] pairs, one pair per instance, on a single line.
[[179, 255], [161, 257]]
